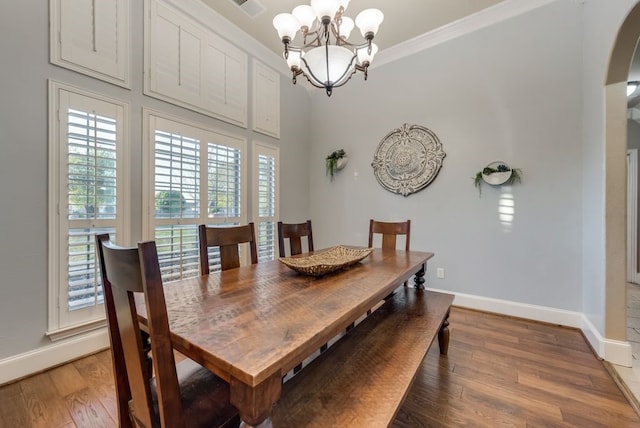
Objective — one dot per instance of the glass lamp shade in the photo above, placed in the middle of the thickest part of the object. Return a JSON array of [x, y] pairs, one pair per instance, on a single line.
[[365, 56], [325, 8], [340, 62], [286, 25], [294, 58], [346, 27], [305, 15], [369, 20]]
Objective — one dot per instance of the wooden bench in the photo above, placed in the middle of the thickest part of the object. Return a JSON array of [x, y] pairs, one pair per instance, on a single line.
[[363, 379]]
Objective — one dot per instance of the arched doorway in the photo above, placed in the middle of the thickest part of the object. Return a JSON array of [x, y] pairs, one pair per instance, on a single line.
[[615, 175]]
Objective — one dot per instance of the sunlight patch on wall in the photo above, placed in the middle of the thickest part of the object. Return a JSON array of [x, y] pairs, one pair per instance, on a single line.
[[506, 209]]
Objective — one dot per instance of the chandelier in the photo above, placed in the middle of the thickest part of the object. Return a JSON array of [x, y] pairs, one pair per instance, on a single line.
[[325, 63]]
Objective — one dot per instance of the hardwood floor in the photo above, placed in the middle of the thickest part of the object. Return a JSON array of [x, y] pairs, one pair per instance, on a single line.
[[510, 372], [499, 372]]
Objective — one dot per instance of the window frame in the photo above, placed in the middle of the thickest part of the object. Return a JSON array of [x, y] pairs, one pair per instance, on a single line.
[[151, 119], [63, 323], [264, 149]]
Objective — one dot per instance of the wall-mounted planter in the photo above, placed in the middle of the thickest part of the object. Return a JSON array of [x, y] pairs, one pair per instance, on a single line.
[[497, 173], [336, 161]]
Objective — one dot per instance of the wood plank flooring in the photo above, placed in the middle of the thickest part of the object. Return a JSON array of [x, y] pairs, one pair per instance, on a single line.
[[506, 372], [500, 372]]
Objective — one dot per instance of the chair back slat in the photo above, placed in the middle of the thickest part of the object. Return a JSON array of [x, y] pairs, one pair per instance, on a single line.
[[227, 239], [123, 392], [390, 232], [126, 271], [294, 232]]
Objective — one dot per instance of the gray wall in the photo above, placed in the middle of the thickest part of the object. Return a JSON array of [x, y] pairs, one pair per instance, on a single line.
[[509, 92], [24, 45]]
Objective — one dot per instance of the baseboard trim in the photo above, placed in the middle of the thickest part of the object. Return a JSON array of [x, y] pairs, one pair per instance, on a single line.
[[519, 310], [614, 351], [32, 362], [617, 352]]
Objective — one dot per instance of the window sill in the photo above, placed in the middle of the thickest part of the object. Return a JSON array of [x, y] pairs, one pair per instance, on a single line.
[[66, 332]]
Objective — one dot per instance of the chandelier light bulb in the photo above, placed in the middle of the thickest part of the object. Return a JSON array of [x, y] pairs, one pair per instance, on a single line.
[[324, 8], [305, 15], [286, 25], [294, 58], [364, 57], [346, 27], [368, 21]]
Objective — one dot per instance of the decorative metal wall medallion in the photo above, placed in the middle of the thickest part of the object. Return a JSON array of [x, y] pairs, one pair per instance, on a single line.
[[408, 159]]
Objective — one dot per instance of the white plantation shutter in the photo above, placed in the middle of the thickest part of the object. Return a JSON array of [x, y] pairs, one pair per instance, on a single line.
[[226, 79], [176, 55], [266, 195], [92, 37], [91, 196], [266, 100], [189, 65], [177, 202], [224, 184], [86, 197], [197, 179]]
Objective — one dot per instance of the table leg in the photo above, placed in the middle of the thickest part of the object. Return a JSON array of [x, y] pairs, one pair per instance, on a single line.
[[419, 278], [443, 335], [254, 403]]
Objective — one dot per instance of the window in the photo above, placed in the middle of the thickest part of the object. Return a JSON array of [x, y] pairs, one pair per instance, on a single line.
[[266, 176], [196, 177], [86, 196]]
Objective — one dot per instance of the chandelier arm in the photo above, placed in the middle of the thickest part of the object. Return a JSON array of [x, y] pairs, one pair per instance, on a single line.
[[364, 69], [295, 73], [316, 35]]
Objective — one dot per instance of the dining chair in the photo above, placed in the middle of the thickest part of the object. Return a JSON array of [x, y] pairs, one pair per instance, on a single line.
[[390, 231], [294, 232], [183, 395], [228, 240]]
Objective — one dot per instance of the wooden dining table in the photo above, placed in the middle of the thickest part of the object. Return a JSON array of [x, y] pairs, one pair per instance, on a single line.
[[252, 325]]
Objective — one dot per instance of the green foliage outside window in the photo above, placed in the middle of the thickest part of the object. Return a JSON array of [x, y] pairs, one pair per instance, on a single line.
[[170, 202]]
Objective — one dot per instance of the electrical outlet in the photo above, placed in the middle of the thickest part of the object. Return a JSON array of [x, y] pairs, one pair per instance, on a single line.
[[440, 273]]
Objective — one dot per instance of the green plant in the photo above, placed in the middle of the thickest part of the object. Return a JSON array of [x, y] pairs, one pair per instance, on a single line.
[[515, 177], [170, 202], [332, 161]]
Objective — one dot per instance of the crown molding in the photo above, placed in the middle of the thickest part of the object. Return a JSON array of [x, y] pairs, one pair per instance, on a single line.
[[484, 18]]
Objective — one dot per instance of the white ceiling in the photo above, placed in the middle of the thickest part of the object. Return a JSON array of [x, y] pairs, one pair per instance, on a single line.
[[404, 19]]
